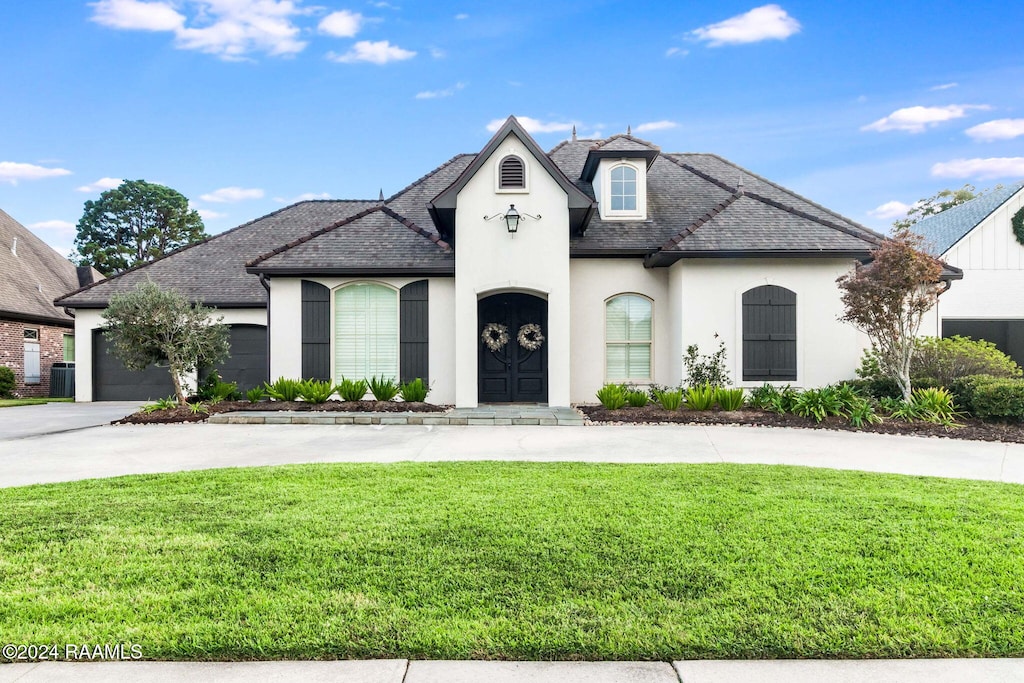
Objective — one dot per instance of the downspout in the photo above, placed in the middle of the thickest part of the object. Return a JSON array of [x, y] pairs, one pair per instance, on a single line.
[[266, 285]]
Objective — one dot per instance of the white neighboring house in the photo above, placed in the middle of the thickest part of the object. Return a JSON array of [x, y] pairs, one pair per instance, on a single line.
[[977, 238], [622, 256]]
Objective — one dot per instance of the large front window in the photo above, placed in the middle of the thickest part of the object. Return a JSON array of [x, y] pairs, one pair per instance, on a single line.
[[628, 338], [365, 332]]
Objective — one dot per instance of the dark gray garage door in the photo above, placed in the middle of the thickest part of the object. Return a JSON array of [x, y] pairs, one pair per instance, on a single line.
[[1008, 335], [111, 381], [248, 362]]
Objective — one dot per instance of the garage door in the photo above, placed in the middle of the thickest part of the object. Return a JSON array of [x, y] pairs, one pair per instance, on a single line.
[[111, 381], [248, 362], [1008, 335]]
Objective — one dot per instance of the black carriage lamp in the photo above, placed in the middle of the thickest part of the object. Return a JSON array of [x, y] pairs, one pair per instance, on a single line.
[[512, 218]]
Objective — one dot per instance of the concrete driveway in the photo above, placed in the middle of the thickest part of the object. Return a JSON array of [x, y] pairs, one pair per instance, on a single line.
[[109, 451], [19, 422]]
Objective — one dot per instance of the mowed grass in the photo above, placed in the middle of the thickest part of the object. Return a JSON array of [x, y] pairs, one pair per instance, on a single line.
[[12, 402], [517, 560]]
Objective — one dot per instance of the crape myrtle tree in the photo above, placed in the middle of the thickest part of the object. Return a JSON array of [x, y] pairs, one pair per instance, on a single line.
[[153, 326], [888, 298], [134, 223]]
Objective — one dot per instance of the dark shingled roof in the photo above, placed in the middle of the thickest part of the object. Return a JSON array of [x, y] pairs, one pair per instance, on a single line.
[[31, 278], [697, 204], [377, 236]]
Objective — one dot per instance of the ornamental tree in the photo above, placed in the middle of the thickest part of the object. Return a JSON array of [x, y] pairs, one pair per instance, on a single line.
[[153, 326], [888, 298], [133, 223]]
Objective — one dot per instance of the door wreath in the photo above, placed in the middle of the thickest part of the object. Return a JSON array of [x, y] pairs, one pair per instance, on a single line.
[[530, 336], [495, 336]]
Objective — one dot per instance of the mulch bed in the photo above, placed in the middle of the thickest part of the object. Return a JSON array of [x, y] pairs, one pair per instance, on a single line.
[[971, 429], [179, 414]]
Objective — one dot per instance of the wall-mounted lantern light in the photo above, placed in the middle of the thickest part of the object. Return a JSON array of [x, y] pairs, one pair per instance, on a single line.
[[512, 218]]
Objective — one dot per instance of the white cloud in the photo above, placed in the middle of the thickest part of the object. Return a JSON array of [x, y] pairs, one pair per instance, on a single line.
[[918, 119], [676, 52], [230, 29], [437, 53], [209, 214], [304, 197], [134, 15], [379, 52], [100, 185], [944, 86], [435, 94], [768, 22], [1000, 129], [890, 210], [12, 172], [982, 169], [341, 24], [655, 125], [227, 195], [534, 125], [56, 227], [461, 16]]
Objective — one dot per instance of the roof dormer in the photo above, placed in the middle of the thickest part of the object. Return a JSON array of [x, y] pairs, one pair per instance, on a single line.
[[617, 169]]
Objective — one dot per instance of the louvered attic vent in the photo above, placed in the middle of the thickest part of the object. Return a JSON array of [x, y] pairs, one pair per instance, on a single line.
[[511, 173]]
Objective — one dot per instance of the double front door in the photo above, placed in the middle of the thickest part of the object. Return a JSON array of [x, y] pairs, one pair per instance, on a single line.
[[513, 349]]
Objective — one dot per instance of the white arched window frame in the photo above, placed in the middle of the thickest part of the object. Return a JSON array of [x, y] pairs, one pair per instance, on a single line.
[[629, 338], [623, 195], [366, 331]]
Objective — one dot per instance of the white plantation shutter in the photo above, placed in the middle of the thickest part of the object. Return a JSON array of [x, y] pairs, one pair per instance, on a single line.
[[365, 332], [627, 334]]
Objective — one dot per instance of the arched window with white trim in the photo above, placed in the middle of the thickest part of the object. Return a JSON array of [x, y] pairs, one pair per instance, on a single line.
[[628, 333], [623, 188], [365, 331]]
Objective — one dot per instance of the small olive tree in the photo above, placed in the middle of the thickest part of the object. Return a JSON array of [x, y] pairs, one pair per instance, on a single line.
[[888, 298], [151, 326]]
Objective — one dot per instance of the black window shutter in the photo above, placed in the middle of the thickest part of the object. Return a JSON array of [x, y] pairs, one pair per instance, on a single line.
[[316, 331], [769, 334], [414, 346]]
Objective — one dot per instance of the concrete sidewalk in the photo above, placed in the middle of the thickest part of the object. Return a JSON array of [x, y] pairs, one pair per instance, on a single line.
[[136, 449], [404, 671], [21, 422]]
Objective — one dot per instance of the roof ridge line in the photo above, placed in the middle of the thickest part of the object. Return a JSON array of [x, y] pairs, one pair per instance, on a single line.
[[316, 233], [433, 237], [693, 227], [803, 214], [631, 137], [701, 174], [428, 174], [138, 266]]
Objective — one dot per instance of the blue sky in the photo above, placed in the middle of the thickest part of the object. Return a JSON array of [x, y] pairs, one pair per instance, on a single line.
[[246, 105]]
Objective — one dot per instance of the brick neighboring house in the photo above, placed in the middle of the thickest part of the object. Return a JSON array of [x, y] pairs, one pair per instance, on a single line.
[[33, 333]]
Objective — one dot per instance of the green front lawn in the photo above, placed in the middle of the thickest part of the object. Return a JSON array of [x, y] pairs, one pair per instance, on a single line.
[[10, 402], [517, 560]]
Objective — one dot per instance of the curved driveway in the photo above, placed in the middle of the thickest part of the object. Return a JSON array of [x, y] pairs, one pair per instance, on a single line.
[[107, 451]]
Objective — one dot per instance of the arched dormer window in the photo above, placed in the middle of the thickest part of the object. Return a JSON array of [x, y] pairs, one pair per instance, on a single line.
[[512, 173], [623, 188]]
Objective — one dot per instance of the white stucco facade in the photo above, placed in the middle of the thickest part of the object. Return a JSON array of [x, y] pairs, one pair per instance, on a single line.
[[489, 260]]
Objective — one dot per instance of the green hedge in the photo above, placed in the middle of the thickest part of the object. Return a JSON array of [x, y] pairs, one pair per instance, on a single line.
[[990, 398]]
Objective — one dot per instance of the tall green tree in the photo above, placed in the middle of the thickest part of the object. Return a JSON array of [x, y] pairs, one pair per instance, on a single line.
[[134, 223], [151, 326], [937, 203], [888, 298]]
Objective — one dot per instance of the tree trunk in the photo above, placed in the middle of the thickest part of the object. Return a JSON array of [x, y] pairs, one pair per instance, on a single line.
[[178, 389]]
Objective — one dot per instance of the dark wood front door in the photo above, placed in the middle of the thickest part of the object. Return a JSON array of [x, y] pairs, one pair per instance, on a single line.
[[512, 374]]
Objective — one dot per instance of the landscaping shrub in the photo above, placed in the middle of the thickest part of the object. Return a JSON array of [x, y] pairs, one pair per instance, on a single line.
[[776, 399], [700, 397], [352, 389], [315, 391], [819, 403], [990, 398], [383, 388], [863, 413], [414, 391], [215, 390], [670, 399], [876, 387], [283, 389], [706, 369], [950, 358], [935, 405], [255, 395], [729, 399], [636, 398], [6, 382], [611, 396]]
